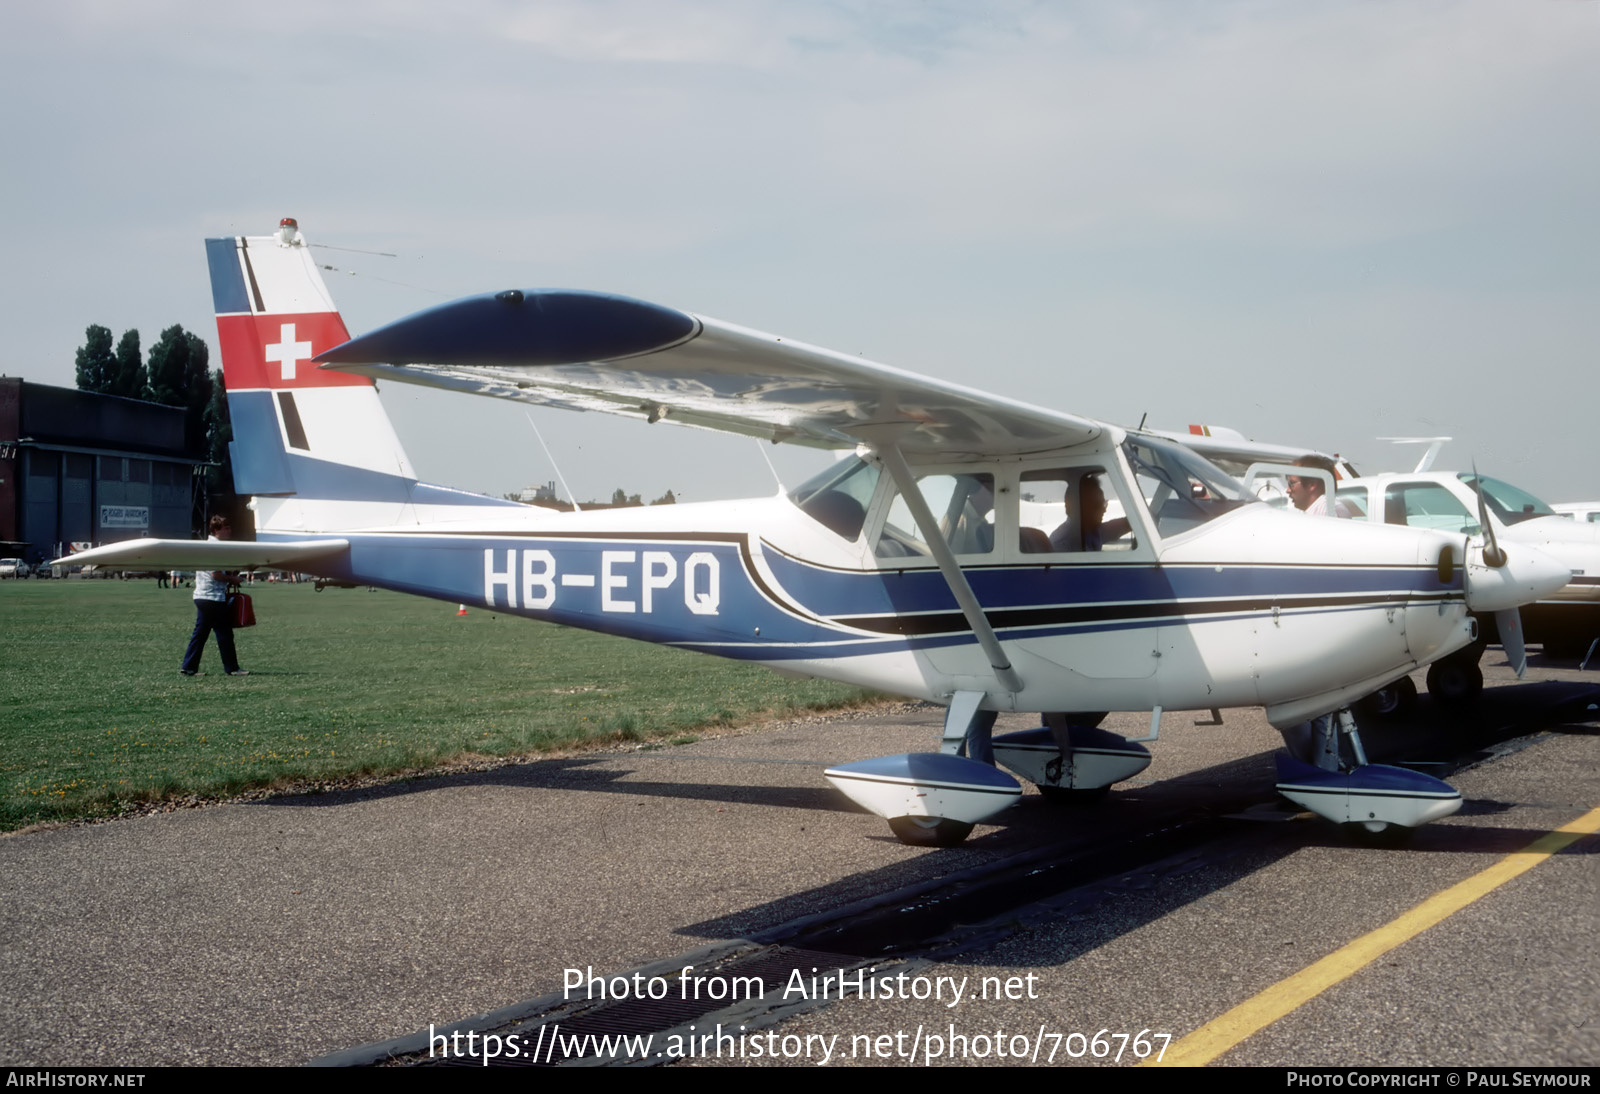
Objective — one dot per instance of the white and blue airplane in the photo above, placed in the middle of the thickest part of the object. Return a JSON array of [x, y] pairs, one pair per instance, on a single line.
[[959, 554]]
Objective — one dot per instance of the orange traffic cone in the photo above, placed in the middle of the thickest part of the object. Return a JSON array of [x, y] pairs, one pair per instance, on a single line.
[[462, 610]]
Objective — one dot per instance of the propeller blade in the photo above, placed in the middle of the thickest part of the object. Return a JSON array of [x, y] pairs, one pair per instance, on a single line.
[[1492, 554], [1509, 623]]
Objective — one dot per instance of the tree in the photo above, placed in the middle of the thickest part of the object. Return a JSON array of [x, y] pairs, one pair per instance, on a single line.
[[199, 387], [96, 362], [179, 374], [121, 372], [669, 498], [127, 378], [219, 431]]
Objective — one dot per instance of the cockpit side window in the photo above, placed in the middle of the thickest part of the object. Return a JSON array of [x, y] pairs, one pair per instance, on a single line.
[[961, 503], [839, 497], [1071, 510], [1354, 499], [1427, 505]]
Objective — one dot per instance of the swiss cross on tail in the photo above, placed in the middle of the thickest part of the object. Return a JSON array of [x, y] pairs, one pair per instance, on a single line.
[[274, 315], [275, 351], [287, 352]]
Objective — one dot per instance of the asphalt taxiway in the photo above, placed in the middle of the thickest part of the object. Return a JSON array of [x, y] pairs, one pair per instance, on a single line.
[[301, 928]]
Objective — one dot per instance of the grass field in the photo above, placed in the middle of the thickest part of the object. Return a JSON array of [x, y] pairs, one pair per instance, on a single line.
[[94, 715]]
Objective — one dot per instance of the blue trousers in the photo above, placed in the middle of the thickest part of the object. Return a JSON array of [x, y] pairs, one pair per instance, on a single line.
[[211, 615]]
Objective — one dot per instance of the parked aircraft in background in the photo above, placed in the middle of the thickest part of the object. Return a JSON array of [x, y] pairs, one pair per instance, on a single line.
[[1587, 512], [1235, 453], [1565, 622], [965, 552]]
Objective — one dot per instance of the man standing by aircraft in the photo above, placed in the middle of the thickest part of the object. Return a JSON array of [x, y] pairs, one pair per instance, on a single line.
[[211, 612], [1309, 493]]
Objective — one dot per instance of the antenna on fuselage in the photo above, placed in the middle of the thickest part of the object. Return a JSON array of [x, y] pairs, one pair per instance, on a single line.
[[776, 477], [562, 479]]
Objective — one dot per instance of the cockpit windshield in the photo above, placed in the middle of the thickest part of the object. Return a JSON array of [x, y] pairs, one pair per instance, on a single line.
[[838, 497], [1511, 505], [1180, 487]]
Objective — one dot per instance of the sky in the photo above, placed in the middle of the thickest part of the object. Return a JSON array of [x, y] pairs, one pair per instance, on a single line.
[[1319, 223]]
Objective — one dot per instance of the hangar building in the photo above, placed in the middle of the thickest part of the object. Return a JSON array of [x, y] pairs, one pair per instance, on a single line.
[[80, 467]]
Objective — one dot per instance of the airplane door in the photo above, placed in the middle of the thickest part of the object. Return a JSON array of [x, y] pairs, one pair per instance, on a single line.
[[1090, 576]]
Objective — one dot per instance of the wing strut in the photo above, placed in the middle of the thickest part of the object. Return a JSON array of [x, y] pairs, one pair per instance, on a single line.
[[933, 535]]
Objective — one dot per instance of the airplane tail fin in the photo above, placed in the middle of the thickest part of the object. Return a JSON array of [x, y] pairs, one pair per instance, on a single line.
[[299, 430]]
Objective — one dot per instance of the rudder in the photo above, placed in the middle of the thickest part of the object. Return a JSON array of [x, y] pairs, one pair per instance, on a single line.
[[299, 430]]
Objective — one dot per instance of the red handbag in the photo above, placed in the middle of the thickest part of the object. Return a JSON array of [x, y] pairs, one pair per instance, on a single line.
[[242, 610]]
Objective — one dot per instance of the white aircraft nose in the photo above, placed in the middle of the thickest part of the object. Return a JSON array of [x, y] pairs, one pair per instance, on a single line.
[[1527, 575]]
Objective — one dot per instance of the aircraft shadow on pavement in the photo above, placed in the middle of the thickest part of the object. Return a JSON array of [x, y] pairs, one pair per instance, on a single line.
[[1433, 737], [1512, 711], [602, 773], [1099, 909]]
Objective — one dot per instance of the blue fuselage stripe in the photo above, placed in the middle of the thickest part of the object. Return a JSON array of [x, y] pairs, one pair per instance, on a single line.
[[703, 592]]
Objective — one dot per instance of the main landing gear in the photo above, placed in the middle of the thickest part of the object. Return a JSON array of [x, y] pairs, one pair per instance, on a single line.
[[1395, 700], [1376, 802], [1069, 759], [934, 799], [1452, 681], [1456, 680], [929, 799]]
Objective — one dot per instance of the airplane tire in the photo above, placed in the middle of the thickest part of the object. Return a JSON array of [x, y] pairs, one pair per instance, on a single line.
[[1393, 701], [1454, 682], [1068, 795], [1090, 719], [929, 831], [1379, 833]]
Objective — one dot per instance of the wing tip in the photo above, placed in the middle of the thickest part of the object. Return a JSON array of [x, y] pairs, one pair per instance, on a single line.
[[522, 328]]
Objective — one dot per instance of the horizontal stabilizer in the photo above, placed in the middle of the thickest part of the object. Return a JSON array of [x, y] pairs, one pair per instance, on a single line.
[[205, 554]]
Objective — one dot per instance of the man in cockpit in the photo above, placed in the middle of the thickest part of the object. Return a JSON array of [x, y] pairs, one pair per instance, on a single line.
[[1091, 511]]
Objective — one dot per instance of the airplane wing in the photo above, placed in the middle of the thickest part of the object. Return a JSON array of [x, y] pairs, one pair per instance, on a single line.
[[595, 351], [205, 554], [1234, 452]]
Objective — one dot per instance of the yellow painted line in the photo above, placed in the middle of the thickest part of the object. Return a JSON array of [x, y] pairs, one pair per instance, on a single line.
[[1216, 1037]]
